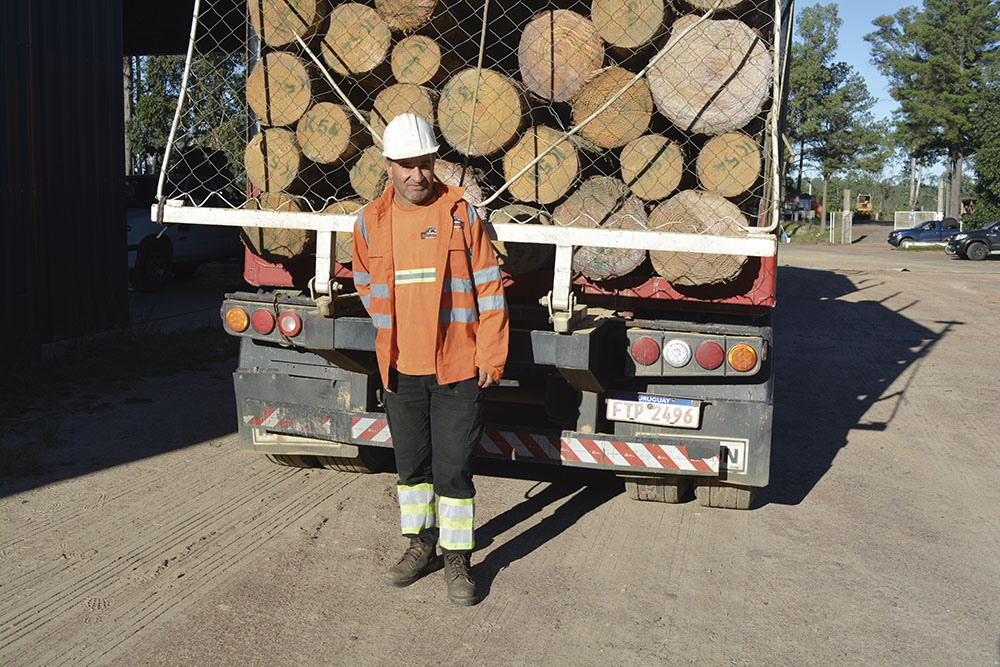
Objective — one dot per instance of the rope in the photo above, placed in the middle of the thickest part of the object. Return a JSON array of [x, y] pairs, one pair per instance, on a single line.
[[475, 92]]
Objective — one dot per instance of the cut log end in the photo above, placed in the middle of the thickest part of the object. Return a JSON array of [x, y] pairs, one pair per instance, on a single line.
[[696, 212], [416, 59], [344, 249], [277, 245], [273, 159], [714, 79], [498, 112], [277, 21], [603, 202], [327, 134], [368, 175], [652, 166], [401, 98], [278, 89], [357, 40], [520, 258], [627, 117], [557, 53], [629, 24], [552, 176], [405, 15], [729, 164]]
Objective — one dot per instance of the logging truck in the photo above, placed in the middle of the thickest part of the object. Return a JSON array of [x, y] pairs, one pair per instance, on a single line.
[[626, 158]]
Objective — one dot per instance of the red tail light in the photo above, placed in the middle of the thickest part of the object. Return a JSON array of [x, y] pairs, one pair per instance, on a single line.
[[262, 322], [709, 355], [645, 351]]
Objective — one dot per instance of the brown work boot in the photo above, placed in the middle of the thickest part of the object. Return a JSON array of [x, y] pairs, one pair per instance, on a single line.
[[418, 559], [461, 586]]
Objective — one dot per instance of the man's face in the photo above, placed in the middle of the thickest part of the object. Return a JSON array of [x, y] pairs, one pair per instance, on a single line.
[[412, 178]]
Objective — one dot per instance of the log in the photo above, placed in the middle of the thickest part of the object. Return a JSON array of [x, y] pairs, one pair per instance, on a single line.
[[272, 244], [368, 175], [499, 112], [417, 59], [627, 23], [520, 258], [405, 15], [729, 164], [329, 134], [357, 40], [559, 50], [715, 79], [451, 173], [277, 21], [696, 212], [344, 248], [652, 166], [626, 119], [603, 202], [552, 176], [273, 160], [705, 5], [279, 89], [401, 98]]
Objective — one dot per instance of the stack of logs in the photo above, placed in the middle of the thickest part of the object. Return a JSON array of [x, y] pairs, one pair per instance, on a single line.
[[679, 150]]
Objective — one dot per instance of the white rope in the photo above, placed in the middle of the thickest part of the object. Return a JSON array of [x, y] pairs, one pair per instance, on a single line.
[[177, 111], [479, 76]]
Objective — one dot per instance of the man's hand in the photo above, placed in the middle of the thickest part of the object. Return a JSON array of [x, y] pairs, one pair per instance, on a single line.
[[485, 380]]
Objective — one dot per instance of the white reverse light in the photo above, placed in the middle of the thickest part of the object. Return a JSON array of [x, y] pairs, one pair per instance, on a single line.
[[677, 353]]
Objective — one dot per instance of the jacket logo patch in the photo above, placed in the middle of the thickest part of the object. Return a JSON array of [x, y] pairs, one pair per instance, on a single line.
[[429, 233]]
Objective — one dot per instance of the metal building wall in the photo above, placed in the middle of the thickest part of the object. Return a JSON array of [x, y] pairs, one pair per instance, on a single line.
[[62, 238]]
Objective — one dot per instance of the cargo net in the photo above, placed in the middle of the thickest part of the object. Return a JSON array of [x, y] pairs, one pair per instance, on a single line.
[[619, 114]]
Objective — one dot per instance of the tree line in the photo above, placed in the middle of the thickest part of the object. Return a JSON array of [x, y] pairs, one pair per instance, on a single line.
[[943, 67]]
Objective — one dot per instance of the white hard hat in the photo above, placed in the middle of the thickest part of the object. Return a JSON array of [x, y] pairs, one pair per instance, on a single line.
[[408, 135]]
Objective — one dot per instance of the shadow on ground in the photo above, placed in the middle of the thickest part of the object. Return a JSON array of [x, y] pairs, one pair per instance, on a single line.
[[834, 362]]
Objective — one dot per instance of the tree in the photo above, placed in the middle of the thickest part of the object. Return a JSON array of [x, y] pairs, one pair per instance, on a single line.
[[829, 104], [986, 140], [211, 134], [935, 61]]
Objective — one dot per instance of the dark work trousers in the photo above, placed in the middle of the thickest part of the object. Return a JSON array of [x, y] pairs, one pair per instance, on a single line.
[[435, 429]]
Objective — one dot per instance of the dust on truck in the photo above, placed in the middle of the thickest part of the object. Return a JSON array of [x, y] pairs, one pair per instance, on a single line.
[[626, 158]]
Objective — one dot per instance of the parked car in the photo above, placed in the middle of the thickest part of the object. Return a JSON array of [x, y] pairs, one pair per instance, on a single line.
[[932, 232], [154, 251], [975, 244]]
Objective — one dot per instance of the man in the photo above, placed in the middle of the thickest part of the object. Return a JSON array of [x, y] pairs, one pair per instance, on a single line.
[[425, 270]]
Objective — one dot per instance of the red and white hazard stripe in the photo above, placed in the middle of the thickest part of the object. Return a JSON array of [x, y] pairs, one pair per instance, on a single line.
[[552, 448]]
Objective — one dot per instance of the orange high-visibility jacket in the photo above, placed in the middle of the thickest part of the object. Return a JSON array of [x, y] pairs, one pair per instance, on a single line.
[[472, 322]]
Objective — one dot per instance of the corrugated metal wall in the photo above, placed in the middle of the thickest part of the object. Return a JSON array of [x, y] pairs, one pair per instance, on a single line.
[[62, 247]]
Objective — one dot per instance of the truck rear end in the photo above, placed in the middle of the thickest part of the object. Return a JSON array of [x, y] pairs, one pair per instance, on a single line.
[[631, 177]]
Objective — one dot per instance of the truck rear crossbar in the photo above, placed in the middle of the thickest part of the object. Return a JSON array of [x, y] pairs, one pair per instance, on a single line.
[[688, 455]]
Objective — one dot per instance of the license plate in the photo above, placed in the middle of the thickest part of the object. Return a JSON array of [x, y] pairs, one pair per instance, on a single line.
[[656, 411]]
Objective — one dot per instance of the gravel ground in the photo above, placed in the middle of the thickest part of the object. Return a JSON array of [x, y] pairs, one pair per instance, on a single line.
[[148, 539]]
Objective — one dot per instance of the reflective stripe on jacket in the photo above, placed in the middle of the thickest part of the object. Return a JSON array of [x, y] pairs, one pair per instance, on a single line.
[[472, 319]]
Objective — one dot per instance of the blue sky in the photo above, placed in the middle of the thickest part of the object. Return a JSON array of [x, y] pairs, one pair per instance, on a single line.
[[857, 16]]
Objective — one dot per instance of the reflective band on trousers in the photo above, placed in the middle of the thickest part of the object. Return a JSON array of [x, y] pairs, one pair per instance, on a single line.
[[416, 507], [456, 523]]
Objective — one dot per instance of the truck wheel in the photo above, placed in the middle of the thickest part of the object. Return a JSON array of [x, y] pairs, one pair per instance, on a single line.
[[152, 265], [368, 460], [726, 496], [185, 270], [977, 251], [294, 460], [906, 243], [670, 489]]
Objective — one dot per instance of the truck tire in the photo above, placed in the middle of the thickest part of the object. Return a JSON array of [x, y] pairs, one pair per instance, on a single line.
[[294, 460], [725, 496], [670, 489], [152, 265], [977, 251], [906, 242], [369, 460]]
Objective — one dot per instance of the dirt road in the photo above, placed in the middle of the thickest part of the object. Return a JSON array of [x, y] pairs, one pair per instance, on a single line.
[[149, 540]]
